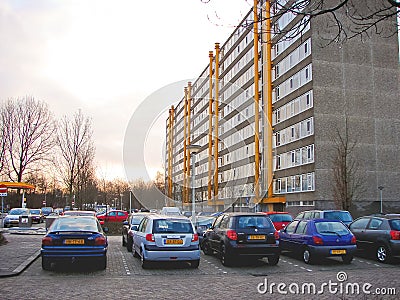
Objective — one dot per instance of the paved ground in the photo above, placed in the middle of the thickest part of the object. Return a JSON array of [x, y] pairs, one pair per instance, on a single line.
[[125, 279], [22, 249]]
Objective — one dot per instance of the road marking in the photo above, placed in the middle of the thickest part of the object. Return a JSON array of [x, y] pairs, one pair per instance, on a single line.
[[127, 271], [377, 265]]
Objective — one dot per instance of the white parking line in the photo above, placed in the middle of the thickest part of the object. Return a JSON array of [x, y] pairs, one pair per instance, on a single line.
[[127, 271]]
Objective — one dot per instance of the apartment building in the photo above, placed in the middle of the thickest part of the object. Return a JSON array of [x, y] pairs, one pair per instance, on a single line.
[[311, 94]]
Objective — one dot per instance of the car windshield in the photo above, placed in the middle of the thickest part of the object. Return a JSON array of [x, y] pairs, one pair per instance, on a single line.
[[395, 224], [35, 211], [338, 215], [47, 209], [331, 228], [254, 222], [281, 218], [75, 224], [18, 211], [172, 226]]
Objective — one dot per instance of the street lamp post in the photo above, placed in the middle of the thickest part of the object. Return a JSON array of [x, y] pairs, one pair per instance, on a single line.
[[193, 150], [380, 194], [121, 199]]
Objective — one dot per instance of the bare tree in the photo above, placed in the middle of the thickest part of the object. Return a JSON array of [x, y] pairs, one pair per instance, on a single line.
[[74, 139], [347, 180], [344, 19], [28, 128]]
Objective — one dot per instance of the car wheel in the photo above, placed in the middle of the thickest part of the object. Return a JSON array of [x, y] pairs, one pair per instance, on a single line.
[[103, 263], [347, 258], [207, 248], [307, 258], [135, 254], [273, 260], [383, 254], [46, 264], [123, 241], [144, 262], [129, 244], [226, 259], [194, 264]]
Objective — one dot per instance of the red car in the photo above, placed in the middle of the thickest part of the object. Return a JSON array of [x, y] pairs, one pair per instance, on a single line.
[[113, 216], [279, 219]]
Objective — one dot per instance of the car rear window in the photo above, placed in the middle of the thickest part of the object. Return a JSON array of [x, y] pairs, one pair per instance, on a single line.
[[338, 215], [395, 224], [331, 228], [254, 221], [172, 226], [281, 218]]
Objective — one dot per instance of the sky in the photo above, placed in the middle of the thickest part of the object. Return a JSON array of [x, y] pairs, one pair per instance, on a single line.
[[109, 57]]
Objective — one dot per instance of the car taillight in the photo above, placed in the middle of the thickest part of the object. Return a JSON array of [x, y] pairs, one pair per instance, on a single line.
[[395, 234], [276, 235], [232, 235], [353, 240], [150, 237], [195, 237], [100, 241], [317, 240], [47, 241]]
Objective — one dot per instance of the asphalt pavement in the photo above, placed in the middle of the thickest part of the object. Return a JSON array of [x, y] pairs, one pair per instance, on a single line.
[[22, 249]]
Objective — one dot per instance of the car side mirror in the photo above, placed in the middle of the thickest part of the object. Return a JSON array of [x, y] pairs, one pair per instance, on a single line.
[[135, 227], [125, 223]]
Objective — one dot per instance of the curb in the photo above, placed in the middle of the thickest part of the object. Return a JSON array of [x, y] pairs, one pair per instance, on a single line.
[[22, 267]]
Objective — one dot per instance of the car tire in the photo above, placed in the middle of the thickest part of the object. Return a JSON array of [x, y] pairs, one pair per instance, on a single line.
[[123, 241], [103, 263], [194, 264], [347, 258], [273, 260], [144, 262], [382, 253], [46, 264], [129, 244], [226, 259], [207, 248], [134, 253], [307, 257]]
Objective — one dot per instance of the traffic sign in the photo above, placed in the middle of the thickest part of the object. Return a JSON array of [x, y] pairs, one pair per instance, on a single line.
[[3, 191]]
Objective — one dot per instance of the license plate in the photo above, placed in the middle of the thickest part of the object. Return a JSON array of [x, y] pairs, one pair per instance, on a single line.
[[74, 242], [338, 251], [257, 237], [173, 241]]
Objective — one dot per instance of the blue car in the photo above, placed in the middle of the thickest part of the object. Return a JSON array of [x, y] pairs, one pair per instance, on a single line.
[[74, 239], [318, 238]]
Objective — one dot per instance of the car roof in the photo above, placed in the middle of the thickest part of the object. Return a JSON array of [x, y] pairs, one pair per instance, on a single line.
[[161, 216], [276, 213], [235, 214]]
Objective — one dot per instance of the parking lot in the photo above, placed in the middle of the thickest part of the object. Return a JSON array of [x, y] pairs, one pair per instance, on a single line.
[[124, 278]]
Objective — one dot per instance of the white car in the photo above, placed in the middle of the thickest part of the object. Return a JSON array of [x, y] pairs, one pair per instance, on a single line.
[[12, 219], [171, 211]]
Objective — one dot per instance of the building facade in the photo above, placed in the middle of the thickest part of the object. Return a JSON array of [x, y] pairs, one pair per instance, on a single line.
[[278, 149]]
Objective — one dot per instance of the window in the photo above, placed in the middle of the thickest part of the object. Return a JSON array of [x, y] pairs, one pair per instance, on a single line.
[[375, 224], [301, 228], [291, 227], [305, 47], [360, 224]]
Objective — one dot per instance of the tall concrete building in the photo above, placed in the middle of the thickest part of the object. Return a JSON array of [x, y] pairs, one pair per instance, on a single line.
[[316, 101]]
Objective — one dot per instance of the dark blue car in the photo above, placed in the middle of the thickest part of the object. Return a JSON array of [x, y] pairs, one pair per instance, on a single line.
[[318, 238], [74, 239]]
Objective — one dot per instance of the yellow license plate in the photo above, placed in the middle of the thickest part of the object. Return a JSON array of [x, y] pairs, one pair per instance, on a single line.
[[257, 237], [74, 242], [338, 251], [174, 241]]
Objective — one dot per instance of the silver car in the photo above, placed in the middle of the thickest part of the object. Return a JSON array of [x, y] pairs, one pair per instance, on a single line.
[[166, 238]]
